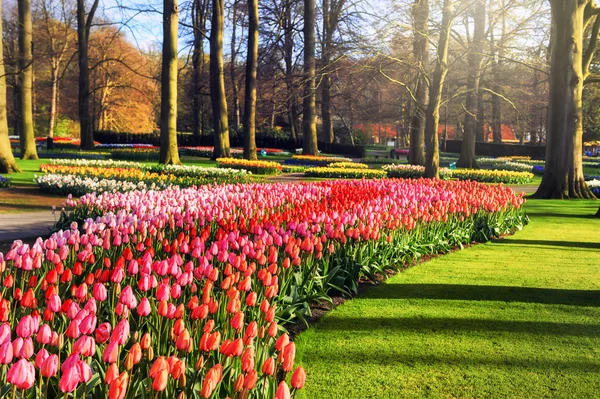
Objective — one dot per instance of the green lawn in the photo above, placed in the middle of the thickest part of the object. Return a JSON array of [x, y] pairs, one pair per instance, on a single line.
[[514, 318]]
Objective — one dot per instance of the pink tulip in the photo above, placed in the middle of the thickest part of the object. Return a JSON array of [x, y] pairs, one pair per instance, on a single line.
[[88, 324], [69, 379], [99, 292], [85, 346], [103, 332], [54, 303], [26, 349], [4, 333], [50, 366], [144, 308], [120, 334], [44, 335], [21, 374], [41, 356], [111, 353], [27, 326], [127, 297], [6, 353]]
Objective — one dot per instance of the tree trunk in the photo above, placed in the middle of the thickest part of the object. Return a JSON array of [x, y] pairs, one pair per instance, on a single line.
[[288, 51], [480, 129], [217, 81], [199, 29], [28, 147], [309, 122], [53, 101], [250, 90], [563, 174], [83, 32], [421, 53], [7, 160], [168, 81], [234, 86], [326, 81], [475, 59], [432, 114], [497, 53]]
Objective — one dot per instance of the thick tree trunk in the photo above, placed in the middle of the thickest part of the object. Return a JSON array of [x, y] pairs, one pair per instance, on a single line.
[[234, 85], [250, 90], [83, 32], [199, 29], [28, 148], [421, 53], [7, 160], [432, 113], [563, 174], [328, 135], [217, 81], [475, 59], [309, 122], [288, 50], [169, 153]]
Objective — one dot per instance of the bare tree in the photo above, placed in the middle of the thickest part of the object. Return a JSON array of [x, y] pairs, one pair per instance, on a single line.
[[420, 14], [309, 122], [168, 95], [84, 24], [475, 60], [217, 81], [7, 160], [432, 113], [57, 32], [28, 147], [250, 92], [573, 21]]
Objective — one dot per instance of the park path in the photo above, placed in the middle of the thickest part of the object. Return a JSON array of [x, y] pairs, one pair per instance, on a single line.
[[24, 226]]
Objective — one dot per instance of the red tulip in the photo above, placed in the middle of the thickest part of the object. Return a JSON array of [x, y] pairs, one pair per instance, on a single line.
[[70, 379], [298, 378], [283, 392]]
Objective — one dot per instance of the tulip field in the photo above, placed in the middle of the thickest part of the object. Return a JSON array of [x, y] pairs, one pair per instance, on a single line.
[[186, 292]]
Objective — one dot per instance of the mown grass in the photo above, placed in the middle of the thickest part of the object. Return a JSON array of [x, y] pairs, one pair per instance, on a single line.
[[513, 318]]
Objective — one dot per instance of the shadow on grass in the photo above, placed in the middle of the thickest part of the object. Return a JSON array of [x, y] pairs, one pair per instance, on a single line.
[[393, 358], [565, 215], [569, 244], [487, 293], [11, 206]]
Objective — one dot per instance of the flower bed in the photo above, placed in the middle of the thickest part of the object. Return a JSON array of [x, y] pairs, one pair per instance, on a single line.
[[4, 182], [258, 167], [344, 173], [133, 145], [80, 185], [384, 161], [348, 165], [184, 297], [493, 176], [413, 171], [153, 176], [311, 160], [183, 292], [501, 164], [293, 168], [208, 152], [136, 154]]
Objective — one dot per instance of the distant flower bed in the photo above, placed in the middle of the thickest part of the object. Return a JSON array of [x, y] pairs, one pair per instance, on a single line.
[[258, 167], [344, 173], [315, 160], [136, 154], [4, 182], [208, 152], [293, 168], [152, 177], [139, 145], [385, 161], [80, 185], [413, 171], [493, 176], [348, 165], [503, 164], [400, 151]]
